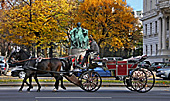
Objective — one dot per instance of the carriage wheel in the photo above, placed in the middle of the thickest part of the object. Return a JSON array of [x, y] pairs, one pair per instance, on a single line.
[[90, 81], [128, 83], [138, 79], [150, 81]]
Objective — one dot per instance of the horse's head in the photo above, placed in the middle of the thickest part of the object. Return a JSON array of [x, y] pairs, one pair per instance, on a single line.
[[18, 54]]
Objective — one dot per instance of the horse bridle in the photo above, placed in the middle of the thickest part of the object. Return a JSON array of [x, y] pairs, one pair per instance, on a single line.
[[15, 53]]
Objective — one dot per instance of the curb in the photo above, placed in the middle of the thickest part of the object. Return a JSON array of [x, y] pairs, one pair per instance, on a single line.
[[72, 85], [68, 84]]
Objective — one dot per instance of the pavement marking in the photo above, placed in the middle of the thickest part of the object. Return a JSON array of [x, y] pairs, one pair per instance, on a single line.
[[73, 97]]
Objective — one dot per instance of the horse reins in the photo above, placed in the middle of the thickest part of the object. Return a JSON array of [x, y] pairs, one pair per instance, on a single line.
[[29, 59]]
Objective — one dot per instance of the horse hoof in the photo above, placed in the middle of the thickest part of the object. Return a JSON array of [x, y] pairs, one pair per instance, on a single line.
[[28, 89], [64, 88], [55, 90], [20, 90], [38, 90]]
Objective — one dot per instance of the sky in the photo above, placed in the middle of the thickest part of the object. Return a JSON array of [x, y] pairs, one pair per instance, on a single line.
[[135, 4]]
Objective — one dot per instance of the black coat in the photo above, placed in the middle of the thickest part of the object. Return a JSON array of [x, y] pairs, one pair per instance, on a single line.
[[94, 47]]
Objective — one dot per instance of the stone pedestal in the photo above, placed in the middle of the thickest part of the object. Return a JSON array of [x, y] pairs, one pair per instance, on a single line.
[[77, 52]]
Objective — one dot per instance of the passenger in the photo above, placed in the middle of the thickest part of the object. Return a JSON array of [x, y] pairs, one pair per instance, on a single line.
[[94, 48]]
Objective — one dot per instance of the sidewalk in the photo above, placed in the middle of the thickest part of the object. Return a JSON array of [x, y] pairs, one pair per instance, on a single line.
[[72, 85], [67, 84]]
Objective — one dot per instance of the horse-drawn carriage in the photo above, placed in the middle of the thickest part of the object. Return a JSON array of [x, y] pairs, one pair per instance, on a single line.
[[135, 78]]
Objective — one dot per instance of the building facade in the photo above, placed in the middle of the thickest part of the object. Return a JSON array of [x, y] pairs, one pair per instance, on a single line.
[[156, 30]]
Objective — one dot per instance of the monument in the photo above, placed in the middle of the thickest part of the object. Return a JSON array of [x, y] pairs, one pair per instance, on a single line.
[[79, 40]]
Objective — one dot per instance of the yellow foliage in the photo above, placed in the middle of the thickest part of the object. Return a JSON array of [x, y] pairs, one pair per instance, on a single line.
[[108, 21], [43, 21]]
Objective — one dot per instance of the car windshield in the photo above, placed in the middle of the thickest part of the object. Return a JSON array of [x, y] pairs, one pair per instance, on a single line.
[[160, 63], [146, 62]]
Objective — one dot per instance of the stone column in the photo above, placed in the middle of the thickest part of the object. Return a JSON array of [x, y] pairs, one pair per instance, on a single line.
[[164, 33], [160, 34]]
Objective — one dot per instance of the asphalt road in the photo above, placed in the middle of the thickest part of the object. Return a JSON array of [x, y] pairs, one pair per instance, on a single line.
[[76, 94]]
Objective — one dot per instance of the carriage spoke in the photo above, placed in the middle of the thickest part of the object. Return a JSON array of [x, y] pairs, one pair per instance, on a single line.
[[138, 79], [150, 81], [91, 81]]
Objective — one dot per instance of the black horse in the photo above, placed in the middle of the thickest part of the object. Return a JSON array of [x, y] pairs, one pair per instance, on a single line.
[[32, 67]]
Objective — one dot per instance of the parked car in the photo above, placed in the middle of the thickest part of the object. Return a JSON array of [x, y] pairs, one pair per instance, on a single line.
[[164, 72], [102, 73], [144, 64], [157, 65], [18, 71], [99, 70], [0, 72], [3, 65]]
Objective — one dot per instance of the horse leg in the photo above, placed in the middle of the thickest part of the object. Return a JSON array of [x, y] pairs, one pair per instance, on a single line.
[[30, 85], [59, 77], [36, 80], [24, 81], [62, 85], [56, 82]]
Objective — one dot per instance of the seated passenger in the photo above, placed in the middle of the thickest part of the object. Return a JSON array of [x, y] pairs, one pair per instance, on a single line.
[[94, 48]]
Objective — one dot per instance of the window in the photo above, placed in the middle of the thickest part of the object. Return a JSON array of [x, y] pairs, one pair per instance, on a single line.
[[150, 4], [146, 29], [156, 49], [151, 49], [156, 27], [150, 28], [167, 23], [167, 43], [146, 49], [146, 5]]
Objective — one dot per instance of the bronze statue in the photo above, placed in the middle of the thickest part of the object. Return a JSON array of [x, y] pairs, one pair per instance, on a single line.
[[79, 37]]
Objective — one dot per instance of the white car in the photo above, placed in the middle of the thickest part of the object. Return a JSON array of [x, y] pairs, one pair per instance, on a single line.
[[3, 65], [164, 72]]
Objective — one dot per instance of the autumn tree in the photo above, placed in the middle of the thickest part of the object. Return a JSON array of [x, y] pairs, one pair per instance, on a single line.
[[3, 43], [37, 21], [110, 22]]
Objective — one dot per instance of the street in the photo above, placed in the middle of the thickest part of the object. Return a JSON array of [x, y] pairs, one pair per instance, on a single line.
[[76, 94]]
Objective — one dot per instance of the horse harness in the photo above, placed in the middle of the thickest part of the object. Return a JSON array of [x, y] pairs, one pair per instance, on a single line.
[[37, 61]]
